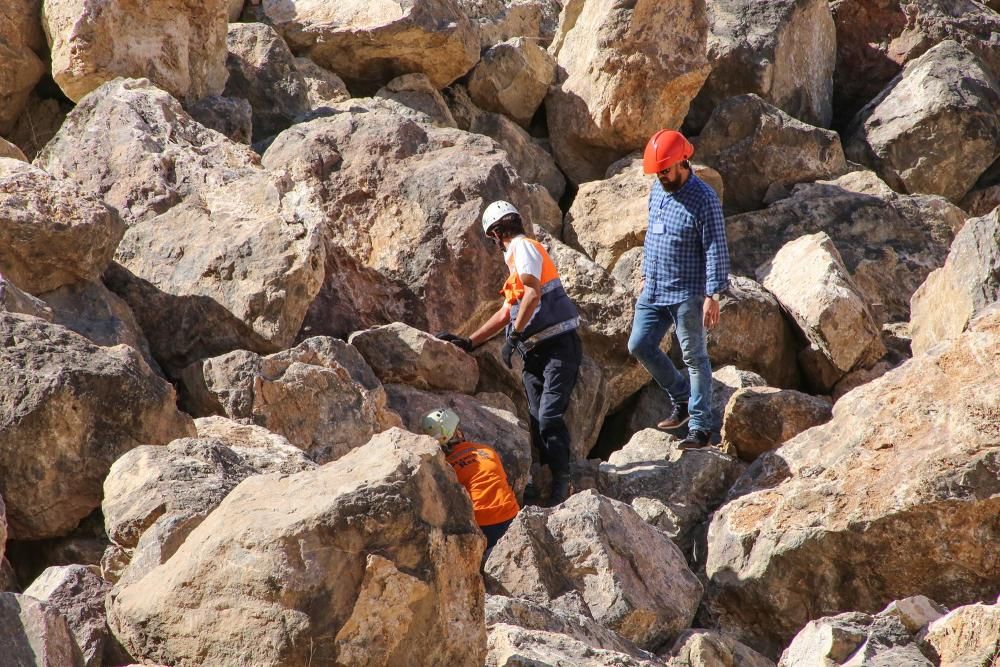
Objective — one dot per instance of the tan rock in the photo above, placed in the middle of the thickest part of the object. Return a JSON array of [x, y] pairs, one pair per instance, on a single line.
[[759, 419], [966, 636], [981, 201], [229, 116], [646, 596], [782, 51], [706, 648], [495, 427], [947, 98], [52, 233], [512, 78], [909, 453], [58, 419], [323, 87], [321, 395], [8, 578], [387, 525], [14, 300], [36, 634], [616, 87], [669, 488], [9, 150], [415, 93], [369, 43], [858, 377], [20, 66], [757, 147], [510, 646], [235, 9], [178, 44], [500, 20], [968, 282], [37, 124], [913, 234], [78, 594]]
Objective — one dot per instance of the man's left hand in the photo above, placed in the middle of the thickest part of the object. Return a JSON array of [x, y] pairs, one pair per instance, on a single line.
[[710, 312]]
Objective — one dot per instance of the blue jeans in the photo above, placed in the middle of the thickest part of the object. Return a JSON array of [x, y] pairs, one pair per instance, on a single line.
[[648, 328]]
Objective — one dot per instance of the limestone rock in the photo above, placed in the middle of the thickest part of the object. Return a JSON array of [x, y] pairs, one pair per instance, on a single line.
[[912, 454], [946, 99], [262, 71], [20, 66], [809, 279], [60, 383], [532, 161], [402, 203], [500, 20], [759, 419], [497, 428], [78, 594], [401, 354], [15, 300], [646, 596], [512, 78], [37, 124], [968, 282], [34, 633], [706, 648], [52, 233], [179, 45], [229, 116], [756, 146], [323, 87], [415, 93], [783, 51], [889, 242], [11, 151], [617, 85], [370, 43], [513, 646], [384, 570], [669, 488], [321, 395], [966, 636]]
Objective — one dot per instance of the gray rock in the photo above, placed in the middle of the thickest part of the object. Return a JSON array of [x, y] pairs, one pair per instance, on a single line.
[[230, 116], [78, 594], [500, 20], [707, 648], [323, 87], [14, 300], [759, 419], [34, 634]]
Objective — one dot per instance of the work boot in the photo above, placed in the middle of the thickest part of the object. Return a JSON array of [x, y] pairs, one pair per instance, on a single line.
[[532, 496], [695, 439], [678, 417], [560, 490]]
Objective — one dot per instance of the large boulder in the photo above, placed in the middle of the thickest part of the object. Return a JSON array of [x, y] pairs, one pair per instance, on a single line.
[[179, 45], [78, 594], [219, 255], [402, 202], [52, 232], [783, 51], [707, 648], [38, 123], [759, 419], [229, 116], [935, 129], [495, 427], [15, 300], [11, 151], [618, 84], [669, 488], [321, 395], [512, 78], [412, 96], [807, 276], [968, 282], [598, 554], [20, 66], [262, 70], [854, 638], [384, 569], [889, 242], [370, 43], [69, 409], [500, 20], [968, 635], [323, 87], [757, 147], [36, 634], [401, 354], [981, 201], [906, 459]]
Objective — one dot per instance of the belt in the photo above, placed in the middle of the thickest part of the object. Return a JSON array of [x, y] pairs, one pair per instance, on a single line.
[[552, 332]]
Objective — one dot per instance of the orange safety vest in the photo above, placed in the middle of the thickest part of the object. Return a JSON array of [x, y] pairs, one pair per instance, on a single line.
[[555, 313], [480, 471]]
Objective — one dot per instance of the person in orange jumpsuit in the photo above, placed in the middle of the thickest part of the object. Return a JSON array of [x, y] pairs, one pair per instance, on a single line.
[[479, 470]]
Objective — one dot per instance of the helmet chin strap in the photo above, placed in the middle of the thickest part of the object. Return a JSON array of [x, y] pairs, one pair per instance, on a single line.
[[493, 236]]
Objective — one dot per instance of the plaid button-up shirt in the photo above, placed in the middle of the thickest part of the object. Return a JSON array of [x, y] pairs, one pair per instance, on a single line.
[[685, 253]]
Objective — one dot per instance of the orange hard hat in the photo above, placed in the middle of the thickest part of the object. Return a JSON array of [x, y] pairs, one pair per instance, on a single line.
[[665, 149]]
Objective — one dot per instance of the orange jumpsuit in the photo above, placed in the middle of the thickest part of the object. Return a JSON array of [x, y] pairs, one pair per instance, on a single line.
[[480, 471]]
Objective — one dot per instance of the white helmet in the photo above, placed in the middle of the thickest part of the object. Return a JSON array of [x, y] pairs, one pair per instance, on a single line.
[[496, 211]]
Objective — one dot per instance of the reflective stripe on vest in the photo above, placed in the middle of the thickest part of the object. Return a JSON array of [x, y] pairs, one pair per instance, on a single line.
[[555, 313]]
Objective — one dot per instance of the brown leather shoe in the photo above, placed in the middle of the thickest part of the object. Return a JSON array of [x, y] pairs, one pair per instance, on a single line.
[[678, 417]]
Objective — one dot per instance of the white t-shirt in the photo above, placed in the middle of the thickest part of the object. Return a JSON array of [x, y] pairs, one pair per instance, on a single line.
[[523, 257]]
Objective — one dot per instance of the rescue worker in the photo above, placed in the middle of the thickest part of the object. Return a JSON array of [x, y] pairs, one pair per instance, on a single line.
[[541, 326], [479, 470]]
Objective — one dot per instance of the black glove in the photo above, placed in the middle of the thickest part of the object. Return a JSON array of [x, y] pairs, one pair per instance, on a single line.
[[511, 344], [458, 341]]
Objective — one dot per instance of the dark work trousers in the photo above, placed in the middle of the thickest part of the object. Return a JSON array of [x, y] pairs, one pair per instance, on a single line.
[[550, 370]]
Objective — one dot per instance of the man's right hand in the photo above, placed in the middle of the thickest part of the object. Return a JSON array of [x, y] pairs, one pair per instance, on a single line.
[[458, 341]]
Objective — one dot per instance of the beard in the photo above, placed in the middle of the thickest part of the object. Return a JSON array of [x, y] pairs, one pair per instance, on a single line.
[[672, 184]]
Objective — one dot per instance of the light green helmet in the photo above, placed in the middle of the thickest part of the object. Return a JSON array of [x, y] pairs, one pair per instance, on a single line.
[[440, 424]]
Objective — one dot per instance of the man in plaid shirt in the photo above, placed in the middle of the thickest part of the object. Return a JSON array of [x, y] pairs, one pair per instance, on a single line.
[[685, 270]]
